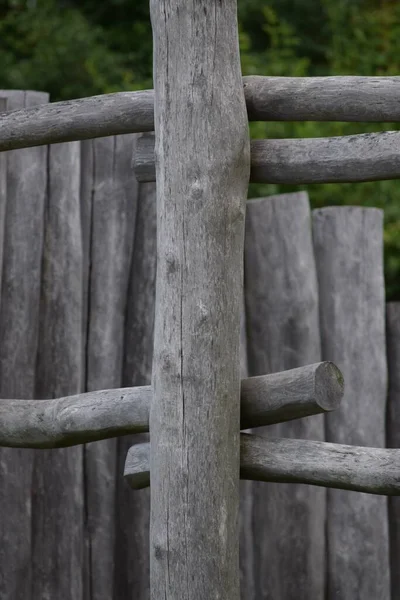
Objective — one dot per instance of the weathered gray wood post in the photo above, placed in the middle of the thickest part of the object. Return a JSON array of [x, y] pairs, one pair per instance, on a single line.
[[348, 243], [283, 333], [202, 165], [58, 507], [133, 514], [26, 176], [393, 434], [109, 198]]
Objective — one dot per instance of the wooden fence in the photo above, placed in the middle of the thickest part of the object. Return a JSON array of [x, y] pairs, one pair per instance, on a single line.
[[77, 315], [79, 237]]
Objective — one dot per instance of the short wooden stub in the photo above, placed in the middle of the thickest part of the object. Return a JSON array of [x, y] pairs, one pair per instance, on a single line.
[[203, 165]]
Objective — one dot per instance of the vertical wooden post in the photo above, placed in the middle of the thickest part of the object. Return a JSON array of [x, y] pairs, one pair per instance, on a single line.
[[202, 167], [283, 333], [19, 317], [109, 198], [58, 516], [393, 434], [133, 515], [348, 243]]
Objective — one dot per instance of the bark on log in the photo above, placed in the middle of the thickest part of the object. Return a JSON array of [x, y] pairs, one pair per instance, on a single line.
[[112, 200], [393, 434], [355, 468], [132, 518], [103, 414], [343, 159], [283, 333], [368, 99], [349, 251], [19, 315], [58, 508], [203, 163]]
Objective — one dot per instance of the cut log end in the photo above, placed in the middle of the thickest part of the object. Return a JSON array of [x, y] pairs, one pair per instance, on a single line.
[[329, 386]]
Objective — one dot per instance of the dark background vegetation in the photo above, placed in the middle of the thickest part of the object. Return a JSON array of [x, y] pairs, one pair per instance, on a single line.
[[84, 47]]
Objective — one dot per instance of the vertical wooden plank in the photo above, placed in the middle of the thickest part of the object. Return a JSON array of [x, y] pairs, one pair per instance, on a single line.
[[287, 521], [132, 516], [202, 166], [19, 315], [112, 215], [348, 244], [393, 434], [58, 499], [3, 193]]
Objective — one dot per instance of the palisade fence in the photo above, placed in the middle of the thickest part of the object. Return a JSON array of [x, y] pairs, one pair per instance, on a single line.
[[80, 237]]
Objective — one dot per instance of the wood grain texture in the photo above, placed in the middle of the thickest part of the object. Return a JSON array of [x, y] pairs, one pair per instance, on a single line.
[[19, 315], [355, 468], [203, 164], [393, 433], [104, 414], [342, 159], [57, 490], [341, 98], [81, 119], [114, 196], [349, 255], [132, 519], [283, 333]]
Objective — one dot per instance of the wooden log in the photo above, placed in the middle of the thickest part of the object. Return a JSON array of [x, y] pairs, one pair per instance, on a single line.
[[393, 434], [113, 207], [58, 508], [283, 333], [133, 515], [81, 119], [19, 315], [3, 192], [343, 159], [349, 250], [339, 98], [203, 164], [103, 414], [356, 468]]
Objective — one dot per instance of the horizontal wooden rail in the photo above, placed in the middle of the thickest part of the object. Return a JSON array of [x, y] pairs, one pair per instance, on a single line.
[[344, 159], [104, 414], [340, 98], [368, 99], [82, 119], [356, 468]]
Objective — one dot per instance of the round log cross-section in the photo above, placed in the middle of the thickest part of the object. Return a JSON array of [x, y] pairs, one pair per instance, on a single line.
[[202, 167]]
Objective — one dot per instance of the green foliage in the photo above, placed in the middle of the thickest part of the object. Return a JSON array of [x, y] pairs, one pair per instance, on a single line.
[[74, 48]]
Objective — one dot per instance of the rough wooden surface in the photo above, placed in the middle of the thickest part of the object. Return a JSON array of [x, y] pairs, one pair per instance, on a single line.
[[267, 99], [203, 164], [393, 434], [283, 333], [356, 468], [19, 315], [349, 251], [82, 119], [339, 98], [57, 489], [132, 517], [342, 159], [113, 200], [103, 414]]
